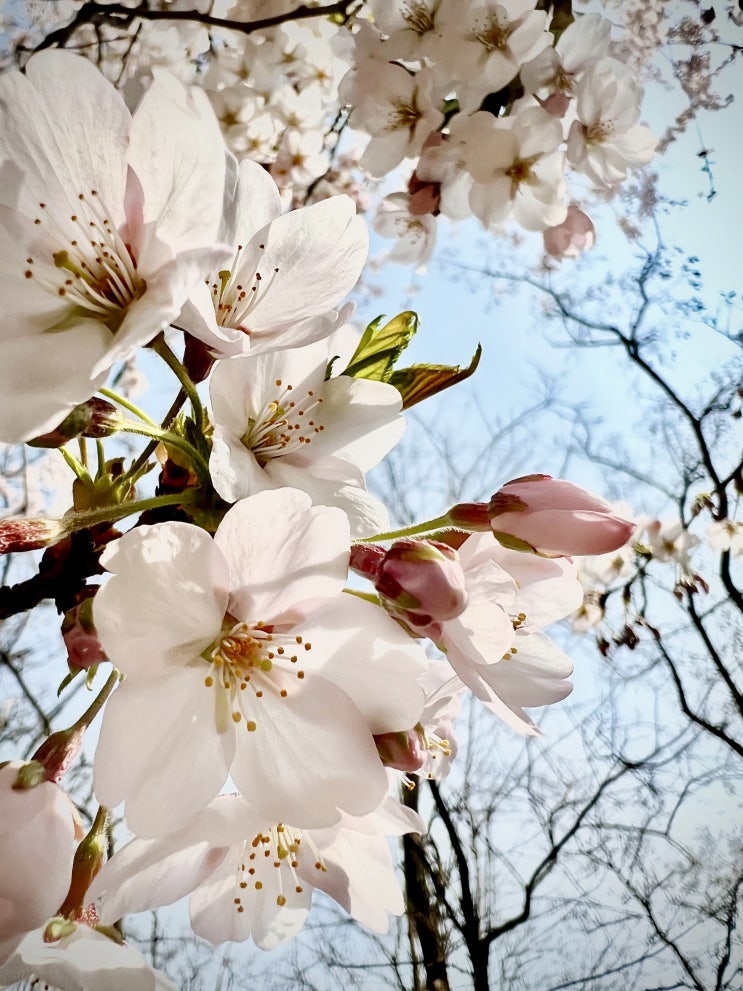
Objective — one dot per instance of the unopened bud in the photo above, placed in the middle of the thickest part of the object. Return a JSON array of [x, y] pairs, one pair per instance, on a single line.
[[472, 516], [80, 636], [94, 418], [58, 751], [402, 751], [19, 534], [422, 582], [573, 236], [90, 856], [555, 518]]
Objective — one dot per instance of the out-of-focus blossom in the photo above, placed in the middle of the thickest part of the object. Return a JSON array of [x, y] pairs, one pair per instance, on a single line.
[[396, 107], [606, 139], [249, 879], [572, 237], [415, 233], [107, 222], [80, 636], [556, 518], [669, 540], [726, 535]]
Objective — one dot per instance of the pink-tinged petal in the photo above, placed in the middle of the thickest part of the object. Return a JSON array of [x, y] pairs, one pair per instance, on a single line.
[[312, 258], [147, 874], [44, 376], [177, 153], [166, 600], [158, 734], [50, 121], [301, 766], [356, 645], [484, 630], [285, 555], [234, 470], [342, 488]]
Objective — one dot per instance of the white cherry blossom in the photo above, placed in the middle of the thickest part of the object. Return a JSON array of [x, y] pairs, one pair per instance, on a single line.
[[242, 656], [278, 422], [107, 222], [251, 879], [286, 274]]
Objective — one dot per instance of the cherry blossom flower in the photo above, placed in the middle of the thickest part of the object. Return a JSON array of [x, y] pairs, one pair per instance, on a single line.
[[39, 831], [726, 535], [415, 233], [278, 422], [80, 960], [517, 169], [107, 222], [396, 107], [496, 646], [236, 650], [606, 139], [249, 879], [487, 41], [286, 274]]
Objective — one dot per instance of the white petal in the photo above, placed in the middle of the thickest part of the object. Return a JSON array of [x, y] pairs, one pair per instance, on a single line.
[[285, 555]]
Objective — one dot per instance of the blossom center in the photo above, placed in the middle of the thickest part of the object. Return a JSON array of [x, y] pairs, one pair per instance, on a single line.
[[234, 300], [95, 270], [404, 115], [493, 31], [418, 17], [285, 424], [269, 864], [245, 664]]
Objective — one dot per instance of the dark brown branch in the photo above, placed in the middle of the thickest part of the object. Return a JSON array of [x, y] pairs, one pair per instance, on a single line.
[[120, 15]]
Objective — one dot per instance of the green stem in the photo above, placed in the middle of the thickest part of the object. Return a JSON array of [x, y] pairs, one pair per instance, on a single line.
[[132, 427], [111, 514], [123, 401], [167, 420], [430, 526], [95, 707], [161, 348]]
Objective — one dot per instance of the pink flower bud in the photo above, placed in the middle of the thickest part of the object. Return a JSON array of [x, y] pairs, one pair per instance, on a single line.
[[39, 829], [556, 104], [549, 516], [401, 750], [19, 534], [80, 637], [573, 236], [422, 582], [472, 516]]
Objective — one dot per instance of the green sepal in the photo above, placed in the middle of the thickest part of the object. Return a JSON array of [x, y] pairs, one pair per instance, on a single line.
[[379, 349], [419, 382]]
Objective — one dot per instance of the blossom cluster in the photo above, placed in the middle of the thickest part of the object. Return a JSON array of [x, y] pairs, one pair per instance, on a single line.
[[498, 109], [261, 709]]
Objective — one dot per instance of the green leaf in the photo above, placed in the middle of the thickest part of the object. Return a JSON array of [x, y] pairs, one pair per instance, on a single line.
[[379, 349], [419, 382]]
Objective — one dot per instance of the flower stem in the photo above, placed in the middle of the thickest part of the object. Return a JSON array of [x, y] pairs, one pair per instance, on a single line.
[[167, 420], [132, 427], [111, 514], [95, 707], [430, 526], [161, 348], [123, 401], [80, 470]]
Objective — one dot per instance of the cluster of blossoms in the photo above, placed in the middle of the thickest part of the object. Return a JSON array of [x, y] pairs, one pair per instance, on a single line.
[[261, 708], [492, 105]]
